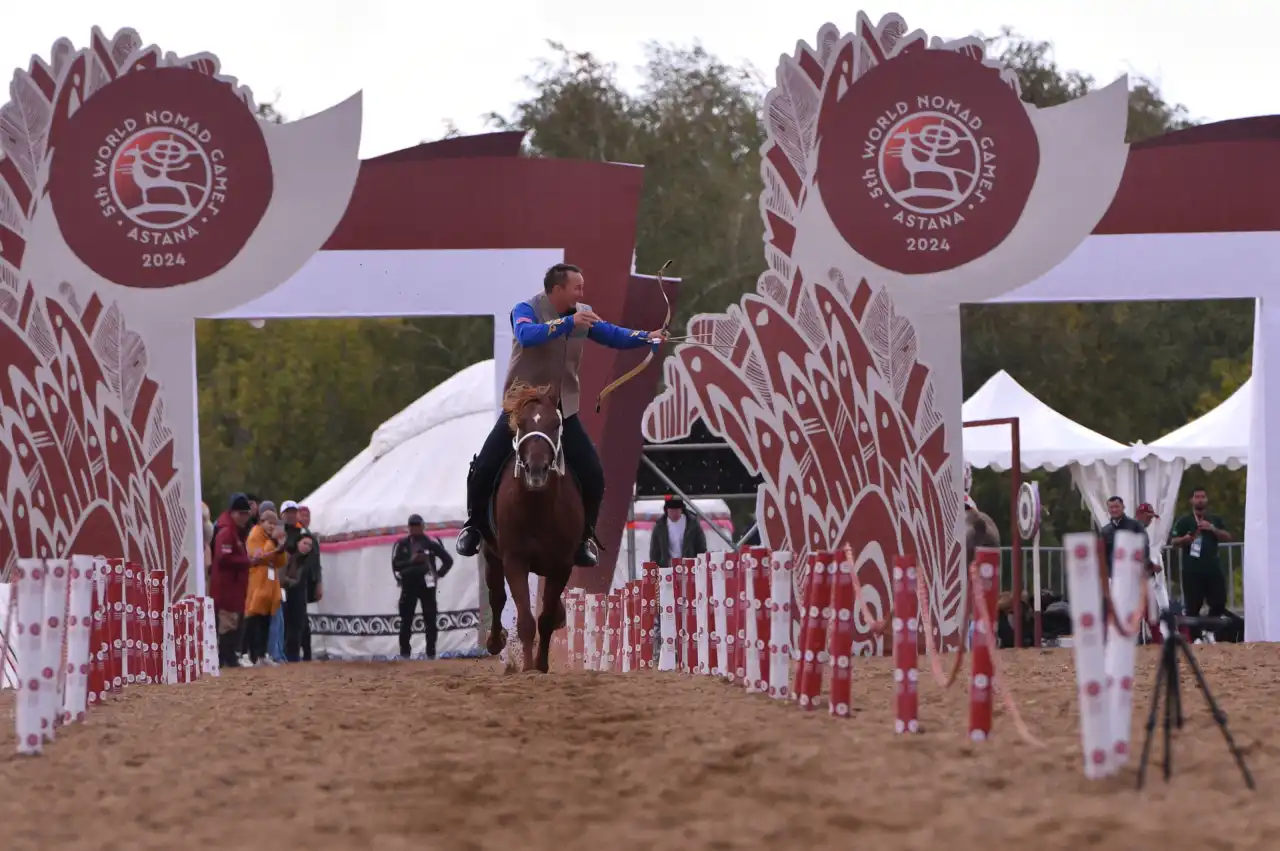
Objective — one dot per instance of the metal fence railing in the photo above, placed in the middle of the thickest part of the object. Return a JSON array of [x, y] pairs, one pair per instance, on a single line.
[[1053, 576]]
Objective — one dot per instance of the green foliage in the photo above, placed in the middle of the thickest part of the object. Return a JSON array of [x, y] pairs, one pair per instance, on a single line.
[[284, 407]]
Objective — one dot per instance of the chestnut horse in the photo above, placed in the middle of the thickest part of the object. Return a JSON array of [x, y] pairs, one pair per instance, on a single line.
[[537, 524]]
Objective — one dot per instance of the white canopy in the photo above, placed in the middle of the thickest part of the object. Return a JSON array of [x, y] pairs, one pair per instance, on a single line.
[[1048, 439], [1220, 437]]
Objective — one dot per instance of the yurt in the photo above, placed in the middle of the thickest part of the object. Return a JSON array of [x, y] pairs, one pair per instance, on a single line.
[[416, 463]]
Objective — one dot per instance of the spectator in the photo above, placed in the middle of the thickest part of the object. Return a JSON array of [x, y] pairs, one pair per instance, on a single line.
[[230, 577], [301, 586], [1120, 522], [289, 522], [418, 563], [254, 509], [1198, 534], [675, 535], [262, 599], [1157, 591]]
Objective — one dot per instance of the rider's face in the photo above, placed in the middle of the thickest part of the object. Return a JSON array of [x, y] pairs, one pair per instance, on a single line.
[[569, 293]]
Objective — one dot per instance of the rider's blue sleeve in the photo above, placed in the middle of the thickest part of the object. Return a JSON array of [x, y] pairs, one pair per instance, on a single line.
[[608, 334], [530, 332]]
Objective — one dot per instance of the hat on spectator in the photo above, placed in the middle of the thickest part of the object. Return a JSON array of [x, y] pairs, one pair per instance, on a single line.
[[266, 505], [288, 505], [673, 502], [415, 519], [239, 502]]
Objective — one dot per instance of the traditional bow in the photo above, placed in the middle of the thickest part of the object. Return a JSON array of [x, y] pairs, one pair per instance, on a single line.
[[639, 368]]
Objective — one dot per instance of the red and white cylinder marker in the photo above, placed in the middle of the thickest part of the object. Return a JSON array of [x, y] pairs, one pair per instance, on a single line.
[[718, 614], [667, 660], [780, 615], [906, 648], [813, 630], [29, 579], [53, 631], [760, 619], [843, 597], [79, 629], [648, 614], [732, 617], [1088, 643], [986, 588], [702, 614], [115, 626]]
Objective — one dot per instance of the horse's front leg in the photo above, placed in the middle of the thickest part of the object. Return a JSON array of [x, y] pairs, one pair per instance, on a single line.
[[552, 617], [526, 626], [494, 578]]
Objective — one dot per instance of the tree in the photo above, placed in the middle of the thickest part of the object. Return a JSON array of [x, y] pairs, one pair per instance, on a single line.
[[695, 125]]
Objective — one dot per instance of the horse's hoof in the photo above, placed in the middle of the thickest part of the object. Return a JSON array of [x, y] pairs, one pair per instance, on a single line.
[[497, 643]]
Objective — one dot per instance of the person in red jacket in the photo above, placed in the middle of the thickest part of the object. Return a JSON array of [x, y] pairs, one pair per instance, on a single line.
[[231, 578]]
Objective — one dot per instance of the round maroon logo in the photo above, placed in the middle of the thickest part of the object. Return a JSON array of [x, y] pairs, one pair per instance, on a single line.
[[926, 162], [160, 178]]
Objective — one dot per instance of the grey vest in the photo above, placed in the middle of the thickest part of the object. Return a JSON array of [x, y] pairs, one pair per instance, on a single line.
[[555, 363]]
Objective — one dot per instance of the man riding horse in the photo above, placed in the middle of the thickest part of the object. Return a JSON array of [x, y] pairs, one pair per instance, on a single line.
[[550, 329]]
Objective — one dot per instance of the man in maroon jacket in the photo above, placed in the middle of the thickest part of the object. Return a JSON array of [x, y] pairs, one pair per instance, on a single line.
[[231, 578]]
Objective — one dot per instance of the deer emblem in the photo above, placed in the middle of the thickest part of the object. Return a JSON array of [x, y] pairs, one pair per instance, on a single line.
[[152, 168], [920, 153]]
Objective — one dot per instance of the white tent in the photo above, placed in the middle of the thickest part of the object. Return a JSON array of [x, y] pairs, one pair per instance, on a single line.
[[1219, 438], [1048, 439], [1100, 467], [416, 463]]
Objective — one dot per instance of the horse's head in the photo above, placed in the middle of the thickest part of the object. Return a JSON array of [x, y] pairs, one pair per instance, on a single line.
[[534, 416]]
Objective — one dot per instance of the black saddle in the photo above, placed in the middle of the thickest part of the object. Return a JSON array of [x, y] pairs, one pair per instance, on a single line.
[[505, 470]]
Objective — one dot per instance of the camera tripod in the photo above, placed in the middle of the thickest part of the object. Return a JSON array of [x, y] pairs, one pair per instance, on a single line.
[[1167, 683]]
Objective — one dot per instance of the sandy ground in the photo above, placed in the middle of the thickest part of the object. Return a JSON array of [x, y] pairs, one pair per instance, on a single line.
[[460, 756]]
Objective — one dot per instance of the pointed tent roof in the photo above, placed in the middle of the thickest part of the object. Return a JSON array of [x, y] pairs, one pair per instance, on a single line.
[[1219, 438], [1048, 439]]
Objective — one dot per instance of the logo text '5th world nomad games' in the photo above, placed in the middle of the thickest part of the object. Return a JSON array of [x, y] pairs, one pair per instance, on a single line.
[[177, 171], [926, 162]]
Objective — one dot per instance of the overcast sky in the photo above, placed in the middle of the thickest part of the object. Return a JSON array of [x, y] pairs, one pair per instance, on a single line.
[[420, 67]]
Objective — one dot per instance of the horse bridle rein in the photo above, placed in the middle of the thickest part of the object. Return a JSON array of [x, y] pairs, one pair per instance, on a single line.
[[557, 463]]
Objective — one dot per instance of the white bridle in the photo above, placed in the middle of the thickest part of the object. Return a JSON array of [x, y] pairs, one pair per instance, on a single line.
[[557, 463]]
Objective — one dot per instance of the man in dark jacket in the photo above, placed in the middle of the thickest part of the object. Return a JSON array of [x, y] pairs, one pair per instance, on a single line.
[[419, 563], [676, 535], [1120, 522], [301, 584]]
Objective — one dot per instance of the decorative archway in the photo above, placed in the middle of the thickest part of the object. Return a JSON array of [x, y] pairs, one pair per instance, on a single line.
[[105, 264], [843, 385]]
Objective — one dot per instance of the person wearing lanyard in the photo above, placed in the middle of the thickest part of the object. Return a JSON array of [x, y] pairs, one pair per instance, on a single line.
[[418, 563], [1198, 534]]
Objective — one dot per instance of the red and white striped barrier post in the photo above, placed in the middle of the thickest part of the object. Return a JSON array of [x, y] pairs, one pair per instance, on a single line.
[[648, 614], [1129, 567], [843, 598], [575, 623], [1088, 643], [782, 614], [813, 630], [98, 644], [759, 620], [702, 615], [79, 632], [986, 589], [733, 669], [135, 624], [53, 630], [115, 626], [717, 614], [667, 654], [29, 580], [683, 607], [613, 631], [906, 648]]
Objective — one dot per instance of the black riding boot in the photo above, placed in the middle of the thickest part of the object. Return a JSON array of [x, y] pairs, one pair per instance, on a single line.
[[588, 554], [471, 536]]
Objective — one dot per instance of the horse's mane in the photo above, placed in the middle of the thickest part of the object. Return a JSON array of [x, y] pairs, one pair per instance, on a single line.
[[517, 396]]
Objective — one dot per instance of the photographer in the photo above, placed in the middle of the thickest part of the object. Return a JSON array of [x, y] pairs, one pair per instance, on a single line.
[[419, 563]]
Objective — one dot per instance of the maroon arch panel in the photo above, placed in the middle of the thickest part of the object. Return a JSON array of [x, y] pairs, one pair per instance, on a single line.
[[472, 193], [1215, 178]]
